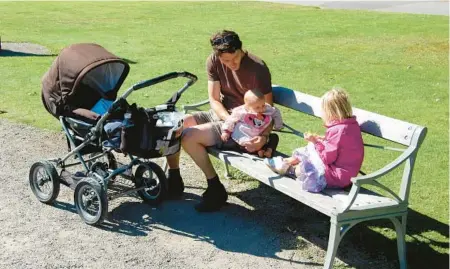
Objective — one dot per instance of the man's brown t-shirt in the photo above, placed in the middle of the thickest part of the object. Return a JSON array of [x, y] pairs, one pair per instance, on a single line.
[[253, 73]]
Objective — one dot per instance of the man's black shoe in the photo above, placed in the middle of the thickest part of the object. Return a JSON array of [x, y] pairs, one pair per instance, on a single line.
[[176, 185], [212, 199]]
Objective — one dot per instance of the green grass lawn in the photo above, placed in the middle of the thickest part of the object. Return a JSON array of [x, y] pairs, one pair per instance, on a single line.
[[392, 64]]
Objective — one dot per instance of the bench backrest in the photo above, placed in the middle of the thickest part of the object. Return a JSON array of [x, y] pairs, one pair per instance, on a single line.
[[375, 124], [398, 131]]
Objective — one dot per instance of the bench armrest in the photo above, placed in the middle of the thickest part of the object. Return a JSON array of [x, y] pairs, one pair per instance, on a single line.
[[371, 178], [195, 106], [367, 179]]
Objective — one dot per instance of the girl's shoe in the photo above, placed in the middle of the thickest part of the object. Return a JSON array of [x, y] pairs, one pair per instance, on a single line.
[[277, 164]]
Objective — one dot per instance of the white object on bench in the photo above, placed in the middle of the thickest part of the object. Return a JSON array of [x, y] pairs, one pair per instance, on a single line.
[[345, 209]]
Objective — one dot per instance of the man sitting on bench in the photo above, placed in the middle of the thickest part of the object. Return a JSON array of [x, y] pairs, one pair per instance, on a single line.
[[231, 72]]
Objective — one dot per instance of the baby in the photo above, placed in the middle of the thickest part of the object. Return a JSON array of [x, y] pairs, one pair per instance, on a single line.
[[251, 120]]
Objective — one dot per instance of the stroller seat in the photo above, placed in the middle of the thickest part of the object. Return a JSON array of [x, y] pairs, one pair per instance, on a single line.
[[78, 125], [109, 138], [78, 130]]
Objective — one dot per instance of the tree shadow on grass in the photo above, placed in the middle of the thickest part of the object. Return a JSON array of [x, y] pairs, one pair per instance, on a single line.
[[129, 61], [11, 53]]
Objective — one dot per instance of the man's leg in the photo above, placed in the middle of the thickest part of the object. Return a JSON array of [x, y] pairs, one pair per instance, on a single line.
[[195, 140], [176, 185]]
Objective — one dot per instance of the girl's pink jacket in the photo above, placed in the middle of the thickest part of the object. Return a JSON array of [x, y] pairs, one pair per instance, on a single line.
[[342, 152]]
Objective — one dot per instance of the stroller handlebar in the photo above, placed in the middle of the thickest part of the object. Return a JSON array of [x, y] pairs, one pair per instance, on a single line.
[[146, 83], [121, 101], [193, 78]]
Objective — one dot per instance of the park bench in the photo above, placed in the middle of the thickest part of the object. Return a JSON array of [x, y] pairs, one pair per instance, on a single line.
[[345, 208]]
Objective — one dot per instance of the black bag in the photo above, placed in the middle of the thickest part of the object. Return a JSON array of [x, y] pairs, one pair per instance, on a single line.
[[144, 139]]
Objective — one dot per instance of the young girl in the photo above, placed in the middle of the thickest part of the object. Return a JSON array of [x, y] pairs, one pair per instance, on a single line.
[[250, 120], [330, 160]]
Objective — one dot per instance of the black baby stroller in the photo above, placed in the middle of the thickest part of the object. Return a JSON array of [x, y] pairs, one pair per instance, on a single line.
[[86, 77]]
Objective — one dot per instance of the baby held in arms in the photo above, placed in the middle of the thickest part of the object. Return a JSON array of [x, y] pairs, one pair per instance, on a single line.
[[249, 121]]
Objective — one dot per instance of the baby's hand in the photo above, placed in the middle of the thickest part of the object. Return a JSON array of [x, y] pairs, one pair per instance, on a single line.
[[225, 137]]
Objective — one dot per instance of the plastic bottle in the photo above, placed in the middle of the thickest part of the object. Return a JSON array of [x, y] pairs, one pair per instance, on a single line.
[[164, 119], [127, 122]]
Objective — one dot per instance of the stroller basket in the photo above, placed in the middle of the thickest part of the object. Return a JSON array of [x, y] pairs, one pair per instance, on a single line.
[[151, 133]]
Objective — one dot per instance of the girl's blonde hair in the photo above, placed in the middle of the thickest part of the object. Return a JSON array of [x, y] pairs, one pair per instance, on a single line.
[[336, 105]]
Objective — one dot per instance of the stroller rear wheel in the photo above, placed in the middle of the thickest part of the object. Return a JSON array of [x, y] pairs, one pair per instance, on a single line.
[[44, 181], [91, 201], [103, 164], [152, 177], [108, 159]]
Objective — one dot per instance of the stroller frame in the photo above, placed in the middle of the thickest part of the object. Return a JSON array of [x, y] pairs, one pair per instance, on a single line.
[[92, 189]]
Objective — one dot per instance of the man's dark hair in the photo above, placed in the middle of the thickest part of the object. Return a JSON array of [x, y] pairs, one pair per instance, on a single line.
[[225, 42]]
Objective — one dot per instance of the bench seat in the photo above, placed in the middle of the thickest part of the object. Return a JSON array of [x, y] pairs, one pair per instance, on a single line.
[[348, 207], [331, 202]]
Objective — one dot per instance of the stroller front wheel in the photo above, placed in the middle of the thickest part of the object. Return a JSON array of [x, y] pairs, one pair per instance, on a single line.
[[44, 181], [150, 176], [91, 201]]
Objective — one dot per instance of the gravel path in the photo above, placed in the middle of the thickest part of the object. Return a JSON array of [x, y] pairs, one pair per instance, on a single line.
[[260, 228]]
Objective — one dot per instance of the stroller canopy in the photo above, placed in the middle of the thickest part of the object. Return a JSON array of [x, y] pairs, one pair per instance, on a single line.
[[80, 76]]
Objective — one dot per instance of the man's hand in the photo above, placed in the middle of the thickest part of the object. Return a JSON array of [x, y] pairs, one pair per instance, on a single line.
[[255, 143], [215, 100], [225, 136]]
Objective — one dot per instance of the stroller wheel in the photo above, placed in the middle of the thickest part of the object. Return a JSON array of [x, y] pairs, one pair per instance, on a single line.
[[44, 181], [91, 201], [109, 160], [153, 178], [103, 164]]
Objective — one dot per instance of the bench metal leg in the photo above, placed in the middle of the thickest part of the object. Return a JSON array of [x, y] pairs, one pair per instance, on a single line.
[[333, 243], [337, 231], [400, 227], [227, 174]]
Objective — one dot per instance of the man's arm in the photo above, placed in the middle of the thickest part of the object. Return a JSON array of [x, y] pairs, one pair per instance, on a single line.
[[214, 100], [269, 98]]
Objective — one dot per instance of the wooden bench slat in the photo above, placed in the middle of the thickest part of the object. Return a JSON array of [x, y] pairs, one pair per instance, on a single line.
[[332, 203], [371, 123]]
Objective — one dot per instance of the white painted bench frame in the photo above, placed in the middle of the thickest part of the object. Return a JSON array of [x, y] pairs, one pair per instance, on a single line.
[[345, 209]]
